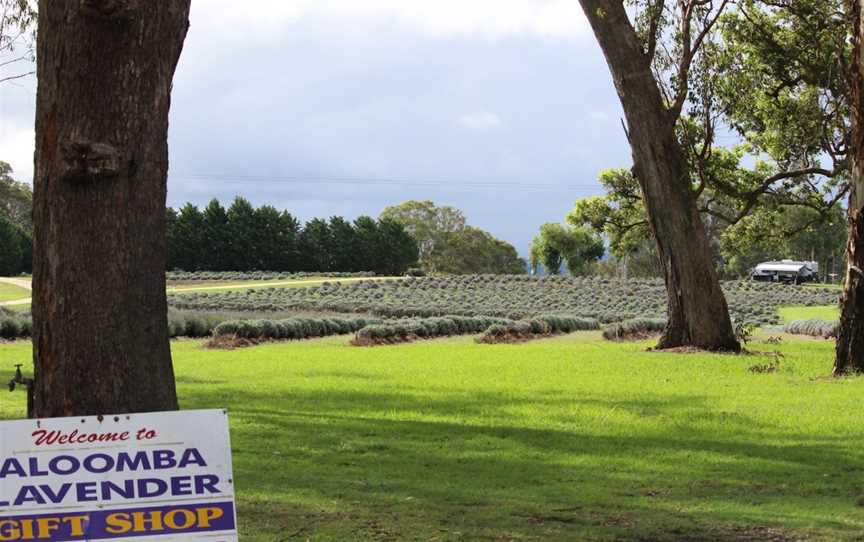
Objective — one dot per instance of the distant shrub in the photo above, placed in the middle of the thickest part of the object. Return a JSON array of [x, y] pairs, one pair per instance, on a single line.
[[636, 328], [813, 327], [15, 327]]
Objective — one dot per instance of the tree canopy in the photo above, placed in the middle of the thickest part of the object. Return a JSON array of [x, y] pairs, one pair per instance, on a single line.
[[792, 128], [472, 250], [16, 224], [449, 245], [244, 238], [556, 244], [427, 223], [16, 199]]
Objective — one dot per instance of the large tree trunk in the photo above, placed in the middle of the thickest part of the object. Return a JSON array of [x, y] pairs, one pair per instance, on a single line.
[[105, 69], [850, 339], [697, 310]]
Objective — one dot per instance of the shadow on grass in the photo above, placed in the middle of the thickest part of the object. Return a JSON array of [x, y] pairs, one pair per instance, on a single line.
[[397, 465]]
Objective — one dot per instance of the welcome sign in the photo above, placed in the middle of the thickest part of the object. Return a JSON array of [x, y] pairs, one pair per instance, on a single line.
[[129, 477]]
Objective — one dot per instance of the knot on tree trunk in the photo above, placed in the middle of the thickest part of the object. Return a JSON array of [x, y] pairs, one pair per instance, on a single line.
[[110, 9], [89, 161]]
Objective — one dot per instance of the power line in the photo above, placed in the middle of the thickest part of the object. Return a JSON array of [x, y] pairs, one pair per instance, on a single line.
[[364, 181]]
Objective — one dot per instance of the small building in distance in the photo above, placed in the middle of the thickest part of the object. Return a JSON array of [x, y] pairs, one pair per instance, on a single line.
[[786, 271]]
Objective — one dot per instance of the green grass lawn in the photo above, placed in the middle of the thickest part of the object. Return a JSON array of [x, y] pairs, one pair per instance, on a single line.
[[822, 312], [9, 292], [564, 439]]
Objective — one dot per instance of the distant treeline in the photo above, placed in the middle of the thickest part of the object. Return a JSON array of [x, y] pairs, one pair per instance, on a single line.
[[16, 249], [246, 238], [16, 224]]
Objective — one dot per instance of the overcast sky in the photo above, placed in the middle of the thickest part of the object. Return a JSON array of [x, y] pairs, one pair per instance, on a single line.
[[503, 108]]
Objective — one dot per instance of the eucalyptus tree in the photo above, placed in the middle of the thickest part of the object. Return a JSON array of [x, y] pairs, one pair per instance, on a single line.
[[850, 337], [769, 74], [427, 223], [651, 59], [100, 331]]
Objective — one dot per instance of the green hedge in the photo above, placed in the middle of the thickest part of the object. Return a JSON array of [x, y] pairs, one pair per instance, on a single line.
[[13, 326]]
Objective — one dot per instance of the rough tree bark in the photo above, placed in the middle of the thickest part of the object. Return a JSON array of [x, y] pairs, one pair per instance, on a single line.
[[105, 70], [850, 338], [697, 310]]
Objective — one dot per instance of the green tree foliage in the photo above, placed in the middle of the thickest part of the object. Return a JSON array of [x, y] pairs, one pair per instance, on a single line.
[[368, 249], [343, 243], [186, 239], [16, 199], [765, 235], [16, 224], [382, 246], [270, 238], [793, 58], [245, 238], [472, 250], [794, 119], [427, 224], [448, 245], [243, 253], [316, 249], [173, 239], [12, 241], [619, 214], [556, 244], [215, 223], [767, 231], [289, 253], [793, 123], [26, 242], [398, 250]]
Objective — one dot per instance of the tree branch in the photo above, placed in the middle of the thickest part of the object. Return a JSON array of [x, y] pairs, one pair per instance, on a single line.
[[689, 49], [13, 77]]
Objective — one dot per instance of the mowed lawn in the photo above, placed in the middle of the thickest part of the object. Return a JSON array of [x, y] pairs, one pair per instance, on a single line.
[[820, 312], [10, 292], [563, 439]]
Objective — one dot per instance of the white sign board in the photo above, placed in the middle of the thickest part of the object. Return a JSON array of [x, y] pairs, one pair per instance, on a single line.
[[133, 477]]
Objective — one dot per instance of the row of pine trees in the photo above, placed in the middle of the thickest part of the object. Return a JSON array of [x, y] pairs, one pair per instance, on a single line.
[[245, 238]]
